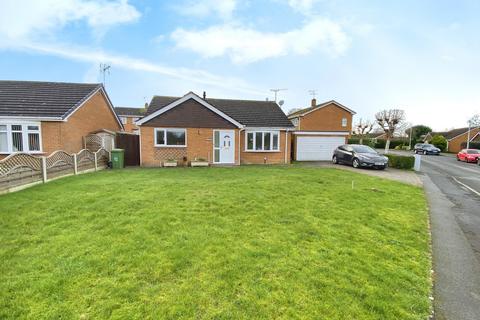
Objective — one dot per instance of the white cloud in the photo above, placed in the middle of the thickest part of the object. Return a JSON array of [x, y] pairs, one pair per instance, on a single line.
[[246, 45], [90, 55], [202, 8], [22, 19], [304, 6]]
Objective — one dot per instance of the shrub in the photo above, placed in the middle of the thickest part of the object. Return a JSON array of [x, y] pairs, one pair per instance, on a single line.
[[400, 162], [440, 142]]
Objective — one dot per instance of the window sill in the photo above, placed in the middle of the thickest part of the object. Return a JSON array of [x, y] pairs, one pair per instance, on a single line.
[[164, 146], [263, 151]]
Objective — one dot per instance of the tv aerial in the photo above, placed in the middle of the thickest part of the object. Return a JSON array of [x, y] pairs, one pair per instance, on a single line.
[[276, 91], [104, 68]]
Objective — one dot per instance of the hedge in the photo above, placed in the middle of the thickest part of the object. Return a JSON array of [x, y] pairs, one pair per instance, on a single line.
[[400, 162], [379, 144], [473, 145]]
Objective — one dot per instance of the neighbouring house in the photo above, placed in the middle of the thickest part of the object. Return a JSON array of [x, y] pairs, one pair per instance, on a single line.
[[319, 129], [42, 117], [456, 138], [220, 131], [129, 117]]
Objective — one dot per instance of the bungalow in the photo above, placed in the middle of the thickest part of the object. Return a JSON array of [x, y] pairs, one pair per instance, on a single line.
[[320, 129], [220, 131], [456, 138], [42, 117], [129, 117]]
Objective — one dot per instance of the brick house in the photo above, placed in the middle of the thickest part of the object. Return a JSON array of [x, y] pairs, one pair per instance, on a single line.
[[42, 117], [220, 131], [129, 117], [319, 129], [455, 138]]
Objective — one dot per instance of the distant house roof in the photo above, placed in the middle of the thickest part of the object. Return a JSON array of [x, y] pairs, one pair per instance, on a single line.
[[250, 113], [127, 111], [449, 135], [34, 99], [304, 111]]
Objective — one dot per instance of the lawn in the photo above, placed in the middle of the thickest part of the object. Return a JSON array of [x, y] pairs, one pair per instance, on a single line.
[[215, 243]]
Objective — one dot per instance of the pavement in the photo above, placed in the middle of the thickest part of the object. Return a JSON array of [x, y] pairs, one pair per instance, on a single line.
[[453, 192]]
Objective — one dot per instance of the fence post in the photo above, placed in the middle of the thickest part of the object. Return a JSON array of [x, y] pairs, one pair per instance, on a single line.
[[44, 169], [75, 165], [96, 166]]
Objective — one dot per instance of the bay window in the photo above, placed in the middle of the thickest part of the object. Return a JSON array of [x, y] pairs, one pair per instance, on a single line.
[[169, 137], [262, 141], [20, 138]]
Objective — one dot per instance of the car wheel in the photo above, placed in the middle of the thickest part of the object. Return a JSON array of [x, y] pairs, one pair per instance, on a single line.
[[355, 163], [458, 159], [334, 160]]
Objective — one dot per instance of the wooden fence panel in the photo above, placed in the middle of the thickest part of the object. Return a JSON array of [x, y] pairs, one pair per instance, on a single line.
[[21, 170]]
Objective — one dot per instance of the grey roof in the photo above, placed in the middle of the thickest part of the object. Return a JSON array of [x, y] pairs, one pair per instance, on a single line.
[[43, 99], [449, 135], [250, 113], [128, 111], [305, 110]]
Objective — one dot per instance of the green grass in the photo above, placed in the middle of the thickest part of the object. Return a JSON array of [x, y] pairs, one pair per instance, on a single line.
[[215, 243]]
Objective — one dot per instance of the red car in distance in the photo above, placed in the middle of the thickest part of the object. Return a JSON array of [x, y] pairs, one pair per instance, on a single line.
[[469, 155]]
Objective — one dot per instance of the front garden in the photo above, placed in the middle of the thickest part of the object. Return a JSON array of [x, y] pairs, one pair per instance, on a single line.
[[247, 242]]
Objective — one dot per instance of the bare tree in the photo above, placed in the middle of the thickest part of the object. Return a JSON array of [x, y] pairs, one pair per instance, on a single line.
[[390, 121], [362, 128]]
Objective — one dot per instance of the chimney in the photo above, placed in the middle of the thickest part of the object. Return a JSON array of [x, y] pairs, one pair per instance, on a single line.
[[204, 95], [314, 102]]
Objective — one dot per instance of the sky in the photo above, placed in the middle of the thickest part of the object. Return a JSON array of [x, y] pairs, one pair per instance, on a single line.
[[419, 56]]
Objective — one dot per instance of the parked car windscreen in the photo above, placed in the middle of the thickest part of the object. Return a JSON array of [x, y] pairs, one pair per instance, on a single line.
[[429, 145], [363, 149], [473, 151]]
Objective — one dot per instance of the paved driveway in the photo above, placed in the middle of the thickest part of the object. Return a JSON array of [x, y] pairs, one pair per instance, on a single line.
[[404, 176], [453, 191]]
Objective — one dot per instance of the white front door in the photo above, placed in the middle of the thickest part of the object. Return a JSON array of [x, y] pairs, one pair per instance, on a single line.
[[224, 146]]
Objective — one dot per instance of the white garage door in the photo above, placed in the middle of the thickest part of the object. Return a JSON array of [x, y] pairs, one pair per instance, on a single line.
[[317, 148]]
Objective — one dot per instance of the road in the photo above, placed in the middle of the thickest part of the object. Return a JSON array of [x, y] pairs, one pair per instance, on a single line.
[[453, 192]]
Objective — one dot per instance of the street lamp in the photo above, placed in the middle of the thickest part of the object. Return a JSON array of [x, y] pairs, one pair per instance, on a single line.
[[473, 122]]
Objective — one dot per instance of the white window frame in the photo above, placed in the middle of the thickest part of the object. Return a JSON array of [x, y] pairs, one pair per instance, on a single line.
[[25, 132], [135, 119], [344, 122], [272, 132], [295, 121], [166, 145], [124, 120]]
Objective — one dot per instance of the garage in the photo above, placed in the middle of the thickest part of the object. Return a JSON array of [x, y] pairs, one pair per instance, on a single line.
[[317, 148]]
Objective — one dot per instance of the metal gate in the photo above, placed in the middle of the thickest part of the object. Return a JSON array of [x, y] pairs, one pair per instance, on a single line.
[[131, 144]]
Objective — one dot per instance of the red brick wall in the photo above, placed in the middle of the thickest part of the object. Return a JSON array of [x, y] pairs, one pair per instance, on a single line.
[[455, 145], [328, 118], [249, 157], [130, 126], [199, 145], [94, 115]]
